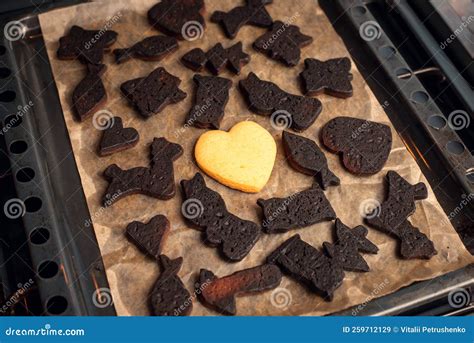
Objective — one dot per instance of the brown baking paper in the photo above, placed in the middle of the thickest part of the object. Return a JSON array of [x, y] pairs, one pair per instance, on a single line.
[[130, 274]]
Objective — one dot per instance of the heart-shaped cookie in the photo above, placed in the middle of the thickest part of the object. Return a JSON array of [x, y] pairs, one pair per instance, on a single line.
[[242, 158], [364, 145]]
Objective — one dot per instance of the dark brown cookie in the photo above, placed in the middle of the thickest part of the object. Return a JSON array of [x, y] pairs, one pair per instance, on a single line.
[[217, 58], [156, 181], [332, 77], [206, 210], [320, 273], [149, 237], [169, 296], [89, 95], [283, 43], [115, 138], [392, 217], [347, 246], [212, 94], [195, 59], [296, 211], [364, 145], [252, 13], [173, 17], [85, 45], [151, 94], [266, 98], [153, 48], [304, 155], [219, 293]]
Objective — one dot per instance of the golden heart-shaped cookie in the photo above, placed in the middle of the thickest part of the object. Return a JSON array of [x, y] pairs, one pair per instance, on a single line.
[[242, 158]]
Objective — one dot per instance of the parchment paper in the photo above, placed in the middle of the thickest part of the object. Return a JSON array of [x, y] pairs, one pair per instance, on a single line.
[[130, 274]]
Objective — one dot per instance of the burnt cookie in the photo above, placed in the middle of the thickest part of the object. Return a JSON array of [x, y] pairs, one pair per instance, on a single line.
[[392, 217], [307, 264], [89, 95], [304, 155], [149, 237], [151, 94], [219, 293], [117, 138], [331, 77], [252, 13], [177, 18], [85, 45], [347, 246], [283, 43], [212, 95], [156, 181], [169, 296], [266, 98], [206, 210], [217, 59], [153, 48], [365, 145], [296, 211]]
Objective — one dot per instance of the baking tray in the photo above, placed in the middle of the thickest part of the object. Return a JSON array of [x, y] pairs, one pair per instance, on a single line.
[[80, 282]]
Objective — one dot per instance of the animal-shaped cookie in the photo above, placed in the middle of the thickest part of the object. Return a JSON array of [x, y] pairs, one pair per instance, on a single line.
[[296, 211], [331, 77], [283, 43], [304, 155], [178, 18], [151, 94], [242, 158], [149, 237], [217, 58], [266, 98], [252, 13], [212, 94], [169, 296], [85, 45], [89, 95], [365, 145], [206, 210], [219, 293], [156, 181], [348, 244], [117, 138], [392, 217], [153, 48]]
